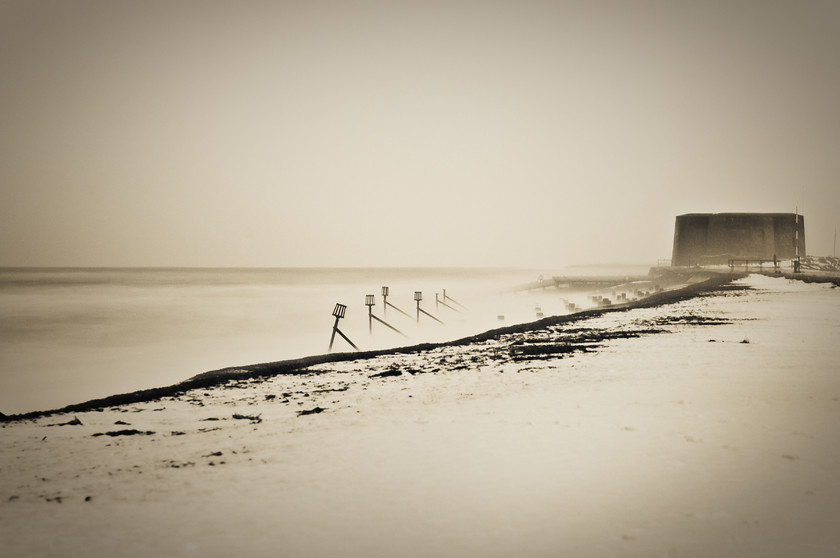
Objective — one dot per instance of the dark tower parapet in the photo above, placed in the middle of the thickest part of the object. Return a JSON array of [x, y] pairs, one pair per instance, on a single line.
[[715, 238]]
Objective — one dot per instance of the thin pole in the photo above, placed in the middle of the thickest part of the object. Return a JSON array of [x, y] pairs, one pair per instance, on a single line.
[[447, 297], [397, 309], [446, 305], [332, 337], [421, 310], [383, 322], [346, 339]]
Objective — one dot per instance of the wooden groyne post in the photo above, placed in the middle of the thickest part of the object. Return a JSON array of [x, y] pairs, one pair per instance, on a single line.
[[418, 296], [386, 304], [370, 301], [338, 312], [447, 297], [438, 302]]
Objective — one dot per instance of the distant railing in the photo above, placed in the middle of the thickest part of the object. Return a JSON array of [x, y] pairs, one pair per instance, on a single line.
[[747, 261]]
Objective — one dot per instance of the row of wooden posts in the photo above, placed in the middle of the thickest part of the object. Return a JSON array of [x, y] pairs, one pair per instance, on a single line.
[[370, 301]]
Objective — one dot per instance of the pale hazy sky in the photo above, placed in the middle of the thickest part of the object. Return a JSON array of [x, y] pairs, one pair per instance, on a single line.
[[270, 133]]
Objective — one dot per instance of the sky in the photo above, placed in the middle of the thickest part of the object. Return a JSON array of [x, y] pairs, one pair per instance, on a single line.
[[431, 133]]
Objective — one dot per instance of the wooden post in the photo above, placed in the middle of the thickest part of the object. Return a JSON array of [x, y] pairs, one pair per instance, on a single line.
[[418, 296], [339, 312], [332, 337], [370, 300]]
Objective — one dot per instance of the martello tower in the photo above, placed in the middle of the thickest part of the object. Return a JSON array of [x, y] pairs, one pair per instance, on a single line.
[[715, 238]]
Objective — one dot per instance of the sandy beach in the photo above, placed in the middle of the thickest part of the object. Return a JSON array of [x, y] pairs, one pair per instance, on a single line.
[[700, 427]]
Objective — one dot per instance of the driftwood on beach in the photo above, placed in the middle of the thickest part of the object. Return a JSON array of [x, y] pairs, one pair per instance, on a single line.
[[300, 365]]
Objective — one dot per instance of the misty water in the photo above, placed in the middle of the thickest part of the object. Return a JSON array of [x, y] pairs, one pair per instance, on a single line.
[[70, 335]]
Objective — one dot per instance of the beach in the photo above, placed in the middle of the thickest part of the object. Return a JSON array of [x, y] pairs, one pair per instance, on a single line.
[[700, 426], [76, 334]]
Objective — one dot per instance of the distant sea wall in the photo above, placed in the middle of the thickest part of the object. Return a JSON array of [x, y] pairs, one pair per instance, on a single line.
[[714, 238]]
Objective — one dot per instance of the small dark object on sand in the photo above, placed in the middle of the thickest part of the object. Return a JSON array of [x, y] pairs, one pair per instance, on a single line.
[[123, 433], [255, 419], [329, 390], [314, 411], [537, 350], [386, 374], [74, 422]]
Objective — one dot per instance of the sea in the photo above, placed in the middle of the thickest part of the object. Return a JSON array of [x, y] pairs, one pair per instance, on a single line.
[[72, 335]]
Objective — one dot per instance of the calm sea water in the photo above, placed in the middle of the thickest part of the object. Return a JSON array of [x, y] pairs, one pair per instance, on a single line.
[[69, 335]]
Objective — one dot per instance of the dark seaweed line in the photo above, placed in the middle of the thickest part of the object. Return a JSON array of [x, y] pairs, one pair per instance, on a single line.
[[298, 366]]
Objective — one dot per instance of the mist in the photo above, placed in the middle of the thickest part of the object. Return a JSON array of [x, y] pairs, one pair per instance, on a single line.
[[406, 134]]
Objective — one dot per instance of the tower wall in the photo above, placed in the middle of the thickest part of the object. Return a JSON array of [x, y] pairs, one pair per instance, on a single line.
[[714, 238]]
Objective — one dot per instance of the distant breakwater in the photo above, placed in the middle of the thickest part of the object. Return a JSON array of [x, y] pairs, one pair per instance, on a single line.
[[299, 365]]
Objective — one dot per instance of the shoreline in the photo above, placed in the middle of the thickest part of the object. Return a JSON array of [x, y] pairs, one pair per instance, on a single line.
[[213, 378]]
